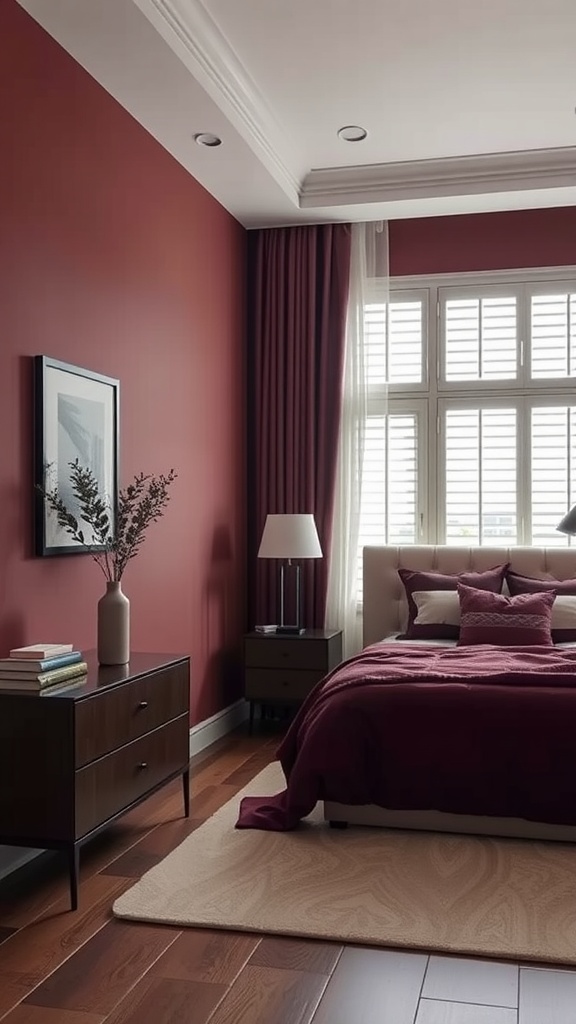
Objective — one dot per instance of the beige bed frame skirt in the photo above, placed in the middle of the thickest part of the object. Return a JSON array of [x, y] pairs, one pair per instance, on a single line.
[[385, 613]]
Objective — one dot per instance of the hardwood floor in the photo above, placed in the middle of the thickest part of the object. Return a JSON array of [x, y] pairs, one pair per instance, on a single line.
[[59, 967]]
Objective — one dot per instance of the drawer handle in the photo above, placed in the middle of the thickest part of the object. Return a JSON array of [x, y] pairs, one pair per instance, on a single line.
[[142, 705], [142, 766]]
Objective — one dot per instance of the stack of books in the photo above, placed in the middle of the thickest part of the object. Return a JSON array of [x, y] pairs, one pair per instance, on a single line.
[[40, 667]]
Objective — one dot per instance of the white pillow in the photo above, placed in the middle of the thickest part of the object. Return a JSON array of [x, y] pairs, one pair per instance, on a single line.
[[564, 612], [437, 606], [443, 606]]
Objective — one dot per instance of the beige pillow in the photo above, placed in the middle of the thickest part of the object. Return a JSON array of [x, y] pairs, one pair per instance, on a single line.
[[442, 606]]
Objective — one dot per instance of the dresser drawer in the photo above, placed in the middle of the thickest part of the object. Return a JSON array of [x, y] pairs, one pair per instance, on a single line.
[[263, 684], [113, 782], [108, 720], [279, 652]]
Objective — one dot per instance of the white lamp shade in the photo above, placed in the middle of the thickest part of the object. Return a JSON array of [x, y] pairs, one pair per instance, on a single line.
[[290, 536], [568, 524]]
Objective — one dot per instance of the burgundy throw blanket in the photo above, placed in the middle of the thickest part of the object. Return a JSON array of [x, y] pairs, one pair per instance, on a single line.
[[471, 730]]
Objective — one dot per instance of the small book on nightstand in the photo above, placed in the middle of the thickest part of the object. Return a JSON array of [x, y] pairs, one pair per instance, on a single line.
[[281, 630]]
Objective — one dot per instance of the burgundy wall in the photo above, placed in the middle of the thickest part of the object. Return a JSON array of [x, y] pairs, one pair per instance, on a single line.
[[483, 241], [113, 258]]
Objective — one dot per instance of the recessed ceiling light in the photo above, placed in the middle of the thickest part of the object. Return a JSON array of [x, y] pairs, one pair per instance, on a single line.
[[207, 139], [352, 133]]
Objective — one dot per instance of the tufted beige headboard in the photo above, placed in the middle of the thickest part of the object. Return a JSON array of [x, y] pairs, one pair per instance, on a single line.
[[384, 604]]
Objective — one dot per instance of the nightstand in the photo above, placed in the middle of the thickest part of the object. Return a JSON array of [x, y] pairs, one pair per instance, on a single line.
[[282, 669]]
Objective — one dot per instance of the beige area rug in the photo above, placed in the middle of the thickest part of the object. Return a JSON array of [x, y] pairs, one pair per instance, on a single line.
[[421, 890]]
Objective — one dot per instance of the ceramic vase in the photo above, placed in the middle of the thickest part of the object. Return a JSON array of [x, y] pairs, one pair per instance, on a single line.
[[113, 626]]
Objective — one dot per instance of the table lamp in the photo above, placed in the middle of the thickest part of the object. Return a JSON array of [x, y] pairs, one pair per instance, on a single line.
[[288, 537]]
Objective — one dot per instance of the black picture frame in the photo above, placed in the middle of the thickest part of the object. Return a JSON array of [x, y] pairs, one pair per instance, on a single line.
[[76, 415]]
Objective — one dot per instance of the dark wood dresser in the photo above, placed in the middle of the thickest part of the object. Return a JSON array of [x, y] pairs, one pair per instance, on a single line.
[[282, 669], [74, 759]]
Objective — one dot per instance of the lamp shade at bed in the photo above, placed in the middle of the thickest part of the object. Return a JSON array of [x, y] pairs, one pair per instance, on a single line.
[[568, 524]]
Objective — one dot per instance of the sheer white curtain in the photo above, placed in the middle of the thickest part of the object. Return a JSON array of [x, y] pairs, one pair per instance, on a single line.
[[369, 259]]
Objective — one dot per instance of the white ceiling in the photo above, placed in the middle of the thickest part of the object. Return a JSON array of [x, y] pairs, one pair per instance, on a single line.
[[469, 104]]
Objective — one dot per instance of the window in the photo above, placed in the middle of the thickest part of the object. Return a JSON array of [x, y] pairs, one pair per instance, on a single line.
[[471, 430]]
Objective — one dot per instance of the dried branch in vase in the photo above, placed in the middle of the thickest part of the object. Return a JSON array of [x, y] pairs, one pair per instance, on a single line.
[[112, 545]]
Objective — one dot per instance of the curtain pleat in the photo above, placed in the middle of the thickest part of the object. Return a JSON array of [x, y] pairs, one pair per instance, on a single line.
[[297, 297]]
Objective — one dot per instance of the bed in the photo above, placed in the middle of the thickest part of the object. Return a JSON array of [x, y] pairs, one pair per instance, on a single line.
[[445, 749]]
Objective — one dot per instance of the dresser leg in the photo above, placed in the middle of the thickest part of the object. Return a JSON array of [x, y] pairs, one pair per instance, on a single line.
[[251, 719], [186, 789], [74, 870]]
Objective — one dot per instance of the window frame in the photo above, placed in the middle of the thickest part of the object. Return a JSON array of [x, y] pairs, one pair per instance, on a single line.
[[522, 392]]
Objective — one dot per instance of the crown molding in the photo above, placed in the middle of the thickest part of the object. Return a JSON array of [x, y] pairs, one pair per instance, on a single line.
[[195, 37], [453, 176]]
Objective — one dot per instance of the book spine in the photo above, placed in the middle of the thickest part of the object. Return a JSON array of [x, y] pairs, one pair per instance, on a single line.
[[59, 674], [34, 667], [15, 680]]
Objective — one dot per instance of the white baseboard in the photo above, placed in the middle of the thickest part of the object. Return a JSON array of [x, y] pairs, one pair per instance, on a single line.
[[212, 729]]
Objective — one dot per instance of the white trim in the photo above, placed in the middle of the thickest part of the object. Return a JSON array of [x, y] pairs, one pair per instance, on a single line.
[[519, 275], [212, 729], [450, 176], [196, 38]]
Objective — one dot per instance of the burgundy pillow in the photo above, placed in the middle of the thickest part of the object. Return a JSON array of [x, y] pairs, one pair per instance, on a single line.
[[518, 584], [416, 579], [522, 621]]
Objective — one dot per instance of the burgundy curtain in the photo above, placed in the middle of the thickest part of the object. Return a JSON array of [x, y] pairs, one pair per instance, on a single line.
[[297, 299]]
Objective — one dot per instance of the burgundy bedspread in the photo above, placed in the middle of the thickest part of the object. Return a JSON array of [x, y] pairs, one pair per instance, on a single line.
[[477, 730]]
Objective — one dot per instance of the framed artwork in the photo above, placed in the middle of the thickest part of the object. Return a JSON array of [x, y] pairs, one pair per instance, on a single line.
[[76, 415]]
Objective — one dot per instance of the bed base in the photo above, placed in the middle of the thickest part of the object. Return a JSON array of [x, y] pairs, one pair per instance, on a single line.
[[341, 815]]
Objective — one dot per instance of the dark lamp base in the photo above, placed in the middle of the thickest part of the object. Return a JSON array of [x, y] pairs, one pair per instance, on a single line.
[[290, 630]]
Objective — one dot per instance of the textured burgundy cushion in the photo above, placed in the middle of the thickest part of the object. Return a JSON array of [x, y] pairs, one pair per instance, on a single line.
[[508, 621], [518, 584], [416, 579]]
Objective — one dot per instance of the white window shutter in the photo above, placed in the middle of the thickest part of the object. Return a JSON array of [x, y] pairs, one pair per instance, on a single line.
[[480, 466], [481, 338], [553, 336]]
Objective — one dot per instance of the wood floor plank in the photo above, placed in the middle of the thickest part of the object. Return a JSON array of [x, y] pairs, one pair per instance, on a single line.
[[105, 968], [296, 955], [5, 933], [39, 887], [246, 771], [547, 997], [219, 768], [267, 995], [168, 1001], [32, 953], [370, 986], [202, 954], [26, 1014], [464, 980], [155, 844], [432, 1011]]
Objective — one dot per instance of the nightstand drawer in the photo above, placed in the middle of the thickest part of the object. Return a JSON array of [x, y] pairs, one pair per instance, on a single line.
[[108, 720], [113, 782], [264, 684], [280, 652]]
